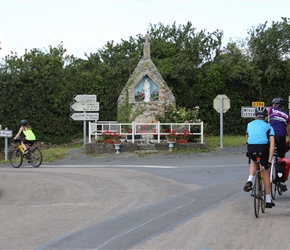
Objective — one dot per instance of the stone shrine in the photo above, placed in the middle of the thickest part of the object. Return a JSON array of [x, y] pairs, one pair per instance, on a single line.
[[146, 94]]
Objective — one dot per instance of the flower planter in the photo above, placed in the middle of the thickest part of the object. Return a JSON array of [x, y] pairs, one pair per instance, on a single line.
[[170, 140], [117, 142], [109, 141], [181, 141]]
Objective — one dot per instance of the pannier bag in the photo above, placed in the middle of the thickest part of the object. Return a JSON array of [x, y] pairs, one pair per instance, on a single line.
[[282, 169]]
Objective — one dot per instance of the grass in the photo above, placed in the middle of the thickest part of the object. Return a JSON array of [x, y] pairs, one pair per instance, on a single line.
[[212, 142]]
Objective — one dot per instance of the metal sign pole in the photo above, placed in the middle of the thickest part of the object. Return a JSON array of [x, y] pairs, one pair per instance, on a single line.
[[221, 122], [6, 147], [85, 129]]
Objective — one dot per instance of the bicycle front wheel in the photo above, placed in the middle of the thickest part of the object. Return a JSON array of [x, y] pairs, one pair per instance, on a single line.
[[35, 157], [256, 195], [16, 158]]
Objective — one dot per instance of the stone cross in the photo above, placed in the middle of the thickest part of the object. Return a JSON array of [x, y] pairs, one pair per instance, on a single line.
[[146, 49]]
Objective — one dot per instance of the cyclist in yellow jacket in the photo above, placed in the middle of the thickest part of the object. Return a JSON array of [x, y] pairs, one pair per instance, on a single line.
[[29, 138]]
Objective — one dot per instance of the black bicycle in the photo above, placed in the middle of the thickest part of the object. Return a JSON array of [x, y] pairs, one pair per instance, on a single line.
[[33, 155], [258, 191]]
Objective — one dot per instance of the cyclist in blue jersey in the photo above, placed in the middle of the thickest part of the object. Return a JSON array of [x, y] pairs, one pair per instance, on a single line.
[[280, 121], [260, 138]]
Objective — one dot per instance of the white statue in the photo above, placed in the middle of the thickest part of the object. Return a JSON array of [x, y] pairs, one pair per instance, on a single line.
[[147, 91]]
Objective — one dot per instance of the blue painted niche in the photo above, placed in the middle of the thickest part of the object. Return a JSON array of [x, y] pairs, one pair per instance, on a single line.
[[139, 92]]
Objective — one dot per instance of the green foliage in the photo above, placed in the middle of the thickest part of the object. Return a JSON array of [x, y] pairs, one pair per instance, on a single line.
[[39, 86]]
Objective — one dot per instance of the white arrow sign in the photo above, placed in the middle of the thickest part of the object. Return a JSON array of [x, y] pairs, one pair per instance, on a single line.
[[5, 133], [85, 98], [85, 116], [79, 106]]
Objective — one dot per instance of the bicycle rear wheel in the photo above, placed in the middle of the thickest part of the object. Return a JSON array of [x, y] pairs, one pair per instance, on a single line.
[[263, 196], [16, 158], [256, 195], [35, 157], [272, 181], [279, 188]]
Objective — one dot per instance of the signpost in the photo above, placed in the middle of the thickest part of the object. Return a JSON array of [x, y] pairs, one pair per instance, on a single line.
[[84, 103], [7, 134], [221, 104], [85, 98], [248, 112], [85, 116], [79, 106], [258, 104]]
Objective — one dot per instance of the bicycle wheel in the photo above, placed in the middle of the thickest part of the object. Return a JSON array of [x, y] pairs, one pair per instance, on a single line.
[[272, 181], [263, 196], [16, 158], [35, 157], [256, 195], [279, 188]]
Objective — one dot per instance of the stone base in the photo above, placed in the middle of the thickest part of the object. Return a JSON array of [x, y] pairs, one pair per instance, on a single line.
[[101, 148]]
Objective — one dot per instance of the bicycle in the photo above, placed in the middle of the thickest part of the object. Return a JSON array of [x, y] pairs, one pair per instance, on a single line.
[[258, 190], [34, 155], [275, 184]]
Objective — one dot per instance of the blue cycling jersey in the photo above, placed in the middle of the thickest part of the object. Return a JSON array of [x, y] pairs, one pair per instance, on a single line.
[[258, 132]]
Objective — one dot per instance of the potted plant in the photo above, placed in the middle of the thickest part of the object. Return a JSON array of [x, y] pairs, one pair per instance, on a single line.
[[172, 136], [107, 137], [183, 137], [116, 138]]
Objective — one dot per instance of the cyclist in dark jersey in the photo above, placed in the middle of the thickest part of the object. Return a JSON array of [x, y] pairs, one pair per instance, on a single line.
[[260, 136], [280, 121]]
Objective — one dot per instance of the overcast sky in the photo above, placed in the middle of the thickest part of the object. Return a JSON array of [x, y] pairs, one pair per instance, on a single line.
[[86, 26]]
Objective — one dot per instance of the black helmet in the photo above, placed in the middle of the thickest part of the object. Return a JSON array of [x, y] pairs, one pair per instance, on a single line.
[[278, 102], [261, 112], [23, 122]]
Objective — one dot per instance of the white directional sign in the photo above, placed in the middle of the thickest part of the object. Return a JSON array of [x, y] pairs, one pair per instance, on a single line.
[[85, 98], [85, 116], [79, 106], [6, 133], [248, 112]]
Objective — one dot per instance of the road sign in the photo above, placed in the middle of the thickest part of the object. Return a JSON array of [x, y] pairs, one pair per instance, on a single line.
[[258, 104], [85, 98], [79, 106], [248, 112], [85, 116], [225, 103], [6, 133]]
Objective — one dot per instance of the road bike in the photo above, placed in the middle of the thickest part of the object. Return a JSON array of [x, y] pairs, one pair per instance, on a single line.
[[33, 155], [258, 190]]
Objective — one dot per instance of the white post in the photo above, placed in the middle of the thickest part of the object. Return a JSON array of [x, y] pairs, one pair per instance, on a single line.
[[90, 131], [133, 132]]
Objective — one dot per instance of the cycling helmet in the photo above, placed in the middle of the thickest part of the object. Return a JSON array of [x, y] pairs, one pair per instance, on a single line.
[[23, 122], [278, 102], [261, 112]]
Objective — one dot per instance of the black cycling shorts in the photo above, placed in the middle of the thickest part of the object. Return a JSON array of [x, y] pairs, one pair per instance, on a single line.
[[30, 143], [281, 145], [263, 148]]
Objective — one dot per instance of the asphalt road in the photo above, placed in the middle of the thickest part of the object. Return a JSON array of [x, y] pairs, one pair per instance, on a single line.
[[189, 202]]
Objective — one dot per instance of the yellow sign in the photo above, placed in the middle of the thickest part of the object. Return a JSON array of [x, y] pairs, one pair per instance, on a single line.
[[258, 104]]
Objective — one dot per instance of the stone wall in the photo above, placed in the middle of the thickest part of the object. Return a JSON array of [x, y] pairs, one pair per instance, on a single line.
[[101, 148]]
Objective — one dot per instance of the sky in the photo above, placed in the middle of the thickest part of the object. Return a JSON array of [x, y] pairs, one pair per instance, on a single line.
[[86, 26]]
